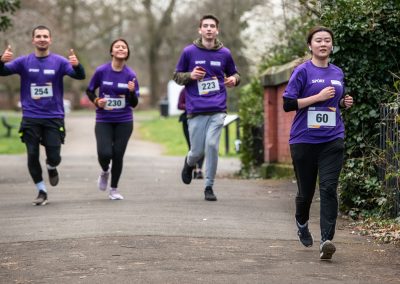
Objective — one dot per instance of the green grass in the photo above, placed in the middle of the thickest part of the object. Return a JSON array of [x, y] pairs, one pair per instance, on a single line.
[[13, 144], [168, 132], [151, 126]]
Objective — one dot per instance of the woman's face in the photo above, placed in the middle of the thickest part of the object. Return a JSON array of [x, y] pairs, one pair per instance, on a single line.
[[321, 45], [119, 50]]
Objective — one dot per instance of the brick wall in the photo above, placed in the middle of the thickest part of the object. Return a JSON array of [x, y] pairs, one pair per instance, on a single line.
[[277, 126], [277, 122]]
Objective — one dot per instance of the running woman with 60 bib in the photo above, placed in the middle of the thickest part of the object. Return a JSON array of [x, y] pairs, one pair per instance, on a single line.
[[42, 94], [118, 94], [316, 92]]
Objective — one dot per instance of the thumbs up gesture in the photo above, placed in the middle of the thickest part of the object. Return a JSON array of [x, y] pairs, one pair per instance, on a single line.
[[72, 58], [7, 55], [131, 85]]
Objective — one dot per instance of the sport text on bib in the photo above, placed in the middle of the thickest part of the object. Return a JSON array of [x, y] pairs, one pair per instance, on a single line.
[[321, 117]]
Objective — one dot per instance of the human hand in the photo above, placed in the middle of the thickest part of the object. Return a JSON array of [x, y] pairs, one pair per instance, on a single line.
[[347, 101], [101, 102], [198, 73], [73, 60], [326, 93], [131, 85], [230, 81], [7, 55]]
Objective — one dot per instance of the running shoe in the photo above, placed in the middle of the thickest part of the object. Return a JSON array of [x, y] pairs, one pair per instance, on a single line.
[[326, 250], [209, 194], [304, 235], [53, 176], [115, 195], [41, 199], [187, 173], [103, 180], [199, 174]]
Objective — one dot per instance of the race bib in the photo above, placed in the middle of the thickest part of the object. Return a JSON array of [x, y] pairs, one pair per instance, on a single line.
[[114, 103], [207, 86], [38, 92], [321, 117]]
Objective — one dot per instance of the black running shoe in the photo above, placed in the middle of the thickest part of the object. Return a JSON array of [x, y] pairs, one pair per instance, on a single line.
[[187, 173], [209, 194], [326, 250], [199, 174], [41, 199], [53, 177], [305, 236]]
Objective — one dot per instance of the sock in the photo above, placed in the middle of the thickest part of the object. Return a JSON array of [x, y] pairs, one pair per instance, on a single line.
[[41, 186], [50, 167], [302, 226]]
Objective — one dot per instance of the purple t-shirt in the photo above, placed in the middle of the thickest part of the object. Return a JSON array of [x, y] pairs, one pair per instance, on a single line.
[[322, 121], [209, 94], [113, 85], [42, 89]]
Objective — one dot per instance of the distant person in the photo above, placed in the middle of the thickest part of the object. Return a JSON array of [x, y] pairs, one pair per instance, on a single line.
[[197, 173], [316, 92], [42, 94], [118, 94], [206, 68]]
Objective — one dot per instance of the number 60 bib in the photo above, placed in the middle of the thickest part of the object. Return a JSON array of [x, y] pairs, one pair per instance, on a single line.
[[321, 117]]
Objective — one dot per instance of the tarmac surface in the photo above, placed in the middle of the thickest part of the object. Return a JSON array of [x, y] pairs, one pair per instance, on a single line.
[[164, 231]]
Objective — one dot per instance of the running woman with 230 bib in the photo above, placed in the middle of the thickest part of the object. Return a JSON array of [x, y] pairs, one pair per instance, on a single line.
[[42, 96], [316, 92], [118, 94], [206, 68]]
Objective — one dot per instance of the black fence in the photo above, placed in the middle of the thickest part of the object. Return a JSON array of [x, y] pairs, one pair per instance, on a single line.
[[389, 143]]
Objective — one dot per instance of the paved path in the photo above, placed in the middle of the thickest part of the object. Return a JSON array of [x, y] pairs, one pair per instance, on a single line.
[[164, 232]]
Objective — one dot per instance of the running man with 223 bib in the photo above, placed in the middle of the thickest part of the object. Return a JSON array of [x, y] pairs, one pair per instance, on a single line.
[[206, 68]]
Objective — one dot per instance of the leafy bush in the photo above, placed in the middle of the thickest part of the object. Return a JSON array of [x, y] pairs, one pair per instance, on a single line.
[[251, 113], [367, 48]]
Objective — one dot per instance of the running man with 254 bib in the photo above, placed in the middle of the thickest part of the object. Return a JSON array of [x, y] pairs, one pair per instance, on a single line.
[[42, 94]]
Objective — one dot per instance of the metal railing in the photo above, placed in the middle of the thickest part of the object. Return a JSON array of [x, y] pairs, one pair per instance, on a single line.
[[389, 143]]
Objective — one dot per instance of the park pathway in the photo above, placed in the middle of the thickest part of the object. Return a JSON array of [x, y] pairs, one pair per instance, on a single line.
[[164, 232]]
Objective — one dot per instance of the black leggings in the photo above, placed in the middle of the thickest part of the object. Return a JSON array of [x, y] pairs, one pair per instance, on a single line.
[[324, 161], [112, 139], [35, 169], [48, 132]]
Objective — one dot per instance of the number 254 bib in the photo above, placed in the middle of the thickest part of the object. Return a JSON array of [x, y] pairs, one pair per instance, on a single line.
[[321, 117]]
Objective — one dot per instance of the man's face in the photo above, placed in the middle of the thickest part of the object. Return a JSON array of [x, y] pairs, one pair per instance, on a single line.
[[208, 29], [41, 40]]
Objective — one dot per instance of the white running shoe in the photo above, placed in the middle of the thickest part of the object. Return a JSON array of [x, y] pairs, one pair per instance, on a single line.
[[102, 182], [115, 195]]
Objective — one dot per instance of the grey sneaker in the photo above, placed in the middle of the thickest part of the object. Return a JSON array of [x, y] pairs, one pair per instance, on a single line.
[[326, 250], [102, 182], [41, 199], [187, 173], [304, 235], [209, 194]]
